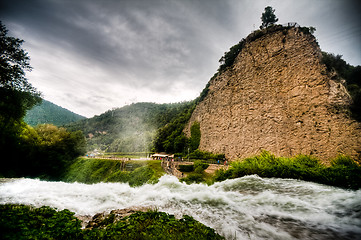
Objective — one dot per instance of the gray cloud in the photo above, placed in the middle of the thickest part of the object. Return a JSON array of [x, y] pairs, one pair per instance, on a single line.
[[91, 55]]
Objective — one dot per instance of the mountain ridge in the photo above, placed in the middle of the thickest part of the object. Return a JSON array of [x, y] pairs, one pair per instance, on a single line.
[[48, 112]]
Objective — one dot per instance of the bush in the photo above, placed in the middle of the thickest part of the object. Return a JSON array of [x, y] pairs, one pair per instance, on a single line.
[[193, 178], [199, 166], [342, 160], [343, 172]]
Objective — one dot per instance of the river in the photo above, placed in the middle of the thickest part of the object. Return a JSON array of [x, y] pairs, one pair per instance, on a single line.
[[244, 208]]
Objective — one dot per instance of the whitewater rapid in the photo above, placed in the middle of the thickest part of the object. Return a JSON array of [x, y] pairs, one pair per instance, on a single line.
[[245, 208]]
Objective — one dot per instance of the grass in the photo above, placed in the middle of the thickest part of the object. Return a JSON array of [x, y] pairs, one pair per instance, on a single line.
[[135, 173], [25, 222], [343, 172]]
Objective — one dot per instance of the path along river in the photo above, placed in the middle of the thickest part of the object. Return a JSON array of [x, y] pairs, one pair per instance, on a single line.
[[245, 208]]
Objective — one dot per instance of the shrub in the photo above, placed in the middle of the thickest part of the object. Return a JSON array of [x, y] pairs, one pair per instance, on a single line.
[[200, 164], [193, 178], [342, 160], [343, 172], [186, 168]]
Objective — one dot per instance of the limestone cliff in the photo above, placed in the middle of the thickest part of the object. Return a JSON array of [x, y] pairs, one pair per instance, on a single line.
[[277, 96]]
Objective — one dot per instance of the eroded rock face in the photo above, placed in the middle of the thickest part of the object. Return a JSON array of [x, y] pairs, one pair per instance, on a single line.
[[277, 97]]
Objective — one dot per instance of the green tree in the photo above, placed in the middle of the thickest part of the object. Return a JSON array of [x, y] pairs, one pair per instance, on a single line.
[[195, 138], [268, 17], [45, 151], [16, 94], [56, 149]]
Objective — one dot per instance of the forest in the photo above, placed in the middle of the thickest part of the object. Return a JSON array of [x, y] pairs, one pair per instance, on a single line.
[[133, 128], [48, 112]]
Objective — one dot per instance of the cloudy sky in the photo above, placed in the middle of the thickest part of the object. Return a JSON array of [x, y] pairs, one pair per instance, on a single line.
[[90, 56]]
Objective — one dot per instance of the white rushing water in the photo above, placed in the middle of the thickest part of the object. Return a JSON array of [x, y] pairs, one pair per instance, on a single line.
[[245, 208]]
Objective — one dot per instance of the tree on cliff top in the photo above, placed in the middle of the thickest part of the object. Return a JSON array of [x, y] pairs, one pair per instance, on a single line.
[[268, 17]]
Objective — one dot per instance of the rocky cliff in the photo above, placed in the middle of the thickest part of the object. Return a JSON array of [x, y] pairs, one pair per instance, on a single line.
[[277, 96]]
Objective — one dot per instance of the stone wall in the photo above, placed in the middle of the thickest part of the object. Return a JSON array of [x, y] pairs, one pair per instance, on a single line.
[[278, 97]]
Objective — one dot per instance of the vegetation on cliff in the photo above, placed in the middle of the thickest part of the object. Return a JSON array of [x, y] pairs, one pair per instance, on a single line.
[[352, 76], [171, 138], [25, 222], [227, 60]]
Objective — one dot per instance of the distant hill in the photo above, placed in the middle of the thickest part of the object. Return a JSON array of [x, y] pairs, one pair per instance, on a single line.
[[133, 128], [48, 112]]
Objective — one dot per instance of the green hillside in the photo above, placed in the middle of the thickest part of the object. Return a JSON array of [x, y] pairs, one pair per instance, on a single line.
[[131, 128], [48, 112]]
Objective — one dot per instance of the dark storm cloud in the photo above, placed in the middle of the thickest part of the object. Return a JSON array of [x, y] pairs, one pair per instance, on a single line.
[[91, 55], [151, 39]]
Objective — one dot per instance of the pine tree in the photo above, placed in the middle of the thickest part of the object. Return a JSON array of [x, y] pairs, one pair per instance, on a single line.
[[268, 17]]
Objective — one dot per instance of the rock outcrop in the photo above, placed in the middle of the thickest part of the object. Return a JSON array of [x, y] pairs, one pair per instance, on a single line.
[[277, 96]]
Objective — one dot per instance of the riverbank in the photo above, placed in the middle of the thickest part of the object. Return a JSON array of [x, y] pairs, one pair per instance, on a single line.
[[250, 207], [342, 172]]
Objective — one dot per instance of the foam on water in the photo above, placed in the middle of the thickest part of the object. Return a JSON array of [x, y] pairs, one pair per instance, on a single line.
[[245, 208]]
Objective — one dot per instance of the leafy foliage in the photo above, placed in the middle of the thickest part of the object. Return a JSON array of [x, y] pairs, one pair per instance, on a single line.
[[343, 172], [195, 138], [41, 152], [24, 222], [48, 112], [197, 175], [45, 151], [193, 177], [171, 138], [16, 93]]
